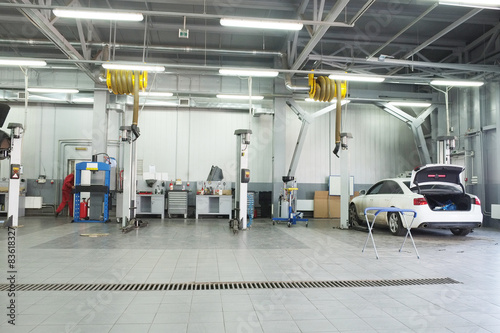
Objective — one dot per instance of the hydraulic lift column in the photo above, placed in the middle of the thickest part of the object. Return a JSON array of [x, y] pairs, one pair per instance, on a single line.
[[242, 175], [15, 173]]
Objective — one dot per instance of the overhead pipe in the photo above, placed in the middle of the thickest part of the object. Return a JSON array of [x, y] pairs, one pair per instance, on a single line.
[[159, 48], [291, 87]]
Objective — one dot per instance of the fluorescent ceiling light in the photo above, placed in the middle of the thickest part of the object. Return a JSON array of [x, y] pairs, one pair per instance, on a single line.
[[357, 78], [98, 15], [334, 101], [452, 83], [248, 72], [261, 24], [53, 90], [254, 98], [411, 104], [487, 4], [145, 68], [155, 94], [22, 62]]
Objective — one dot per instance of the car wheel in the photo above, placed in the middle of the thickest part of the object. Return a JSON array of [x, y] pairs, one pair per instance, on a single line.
[[353, 216], [460, 231], [395, 225]]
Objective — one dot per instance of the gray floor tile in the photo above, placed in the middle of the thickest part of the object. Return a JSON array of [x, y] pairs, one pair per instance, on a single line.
[[280, 327], [171, 318], [168, 328], [205, 328], [316, 325], [130, 328]]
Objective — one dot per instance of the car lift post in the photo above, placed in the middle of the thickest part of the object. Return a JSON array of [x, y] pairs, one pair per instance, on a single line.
[[345, 184], [242, 176], [15, 173]]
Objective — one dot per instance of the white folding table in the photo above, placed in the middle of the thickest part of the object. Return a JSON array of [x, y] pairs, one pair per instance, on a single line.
[[403, 213]]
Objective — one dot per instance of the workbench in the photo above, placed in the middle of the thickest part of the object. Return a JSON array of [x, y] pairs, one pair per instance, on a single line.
[[214, 205]]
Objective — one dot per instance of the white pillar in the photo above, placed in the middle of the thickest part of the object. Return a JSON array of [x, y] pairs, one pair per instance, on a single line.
[[15, 181]]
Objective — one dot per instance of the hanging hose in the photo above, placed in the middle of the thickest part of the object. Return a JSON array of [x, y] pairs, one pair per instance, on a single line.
[[123, 82], [324, 89], [338, 118]]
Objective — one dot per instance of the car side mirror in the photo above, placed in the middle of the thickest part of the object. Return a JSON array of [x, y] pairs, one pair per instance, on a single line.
[[362, 192]]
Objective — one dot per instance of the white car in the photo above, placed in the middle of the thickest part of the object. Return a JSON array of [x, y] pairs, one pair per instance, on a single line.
[[434, 191]]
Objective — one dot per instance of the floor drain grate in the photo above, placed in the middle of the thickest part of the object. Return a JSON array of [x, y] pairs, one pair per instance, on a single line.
[[228, 285]]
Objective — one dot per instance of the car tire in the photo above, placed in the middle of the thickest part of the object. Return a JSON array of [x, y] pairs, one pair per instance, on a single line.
[[460, 231], [354, 221], [395, 225]]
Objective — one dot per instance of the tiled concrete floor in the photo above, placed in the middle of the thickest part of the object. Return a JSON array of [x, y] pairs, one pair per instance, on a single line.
[[52, 251]]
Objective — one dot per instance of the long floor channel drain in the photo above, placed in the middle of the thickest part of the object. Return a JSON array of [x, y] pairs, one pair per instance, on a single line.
[[227, 285]]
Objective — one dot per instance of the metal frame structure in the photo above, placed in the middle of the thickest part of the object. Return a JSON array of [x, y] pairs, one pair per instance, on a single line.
[[94, 167]]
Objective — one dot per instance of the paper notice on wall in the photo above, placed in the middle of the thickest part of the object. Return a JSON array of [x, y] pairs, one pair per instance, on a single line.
[[152, 169], [164, 176], [148, 175]]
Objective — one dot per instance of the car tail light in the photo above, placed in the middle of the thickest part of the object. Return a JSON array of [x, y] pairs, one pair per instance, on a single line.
[[477, 201], [419, 202]]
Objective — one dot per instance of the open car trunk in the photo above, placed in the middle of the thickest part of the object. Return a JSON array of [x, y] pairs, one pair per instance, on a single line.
[[448, 202], [441, 186]]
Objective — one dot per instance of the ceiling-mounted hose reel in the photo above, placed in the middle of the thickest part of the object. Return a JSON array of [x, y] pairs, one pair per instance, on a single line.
[[125, 82], [325, 90]]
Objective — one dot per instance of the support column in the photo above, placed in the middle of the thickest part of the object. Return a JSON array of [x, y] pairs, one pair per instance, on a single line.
[[99, 145], [279, 151], [15, 173]]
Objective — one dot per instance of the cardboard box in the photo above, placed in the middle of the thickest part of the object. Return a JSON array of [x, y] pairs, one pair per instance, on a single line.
[[327, 206], [320, 204]]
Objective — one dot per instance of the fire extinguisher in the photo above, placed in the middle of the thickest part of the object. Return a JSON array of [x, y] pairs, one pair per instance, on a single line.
[[171, 186], [84, 206]]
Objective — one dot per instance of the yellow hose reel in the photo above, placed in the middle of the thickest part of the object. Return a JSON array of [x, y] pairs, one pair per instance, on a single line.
[[324, 89], [121, 82]]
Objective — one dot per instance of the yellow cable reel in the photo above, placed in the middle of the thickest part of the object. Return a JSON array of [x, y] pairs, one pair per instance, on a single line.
[[121, 82]]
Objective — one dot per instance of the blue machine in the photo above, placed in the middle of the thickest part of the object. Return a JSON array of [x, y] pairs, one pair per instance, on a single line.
[[92, 166]]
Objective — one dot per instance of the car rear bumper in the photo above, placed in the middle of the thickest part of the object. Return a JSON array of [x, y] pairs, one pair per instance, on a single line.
[[449, 225]]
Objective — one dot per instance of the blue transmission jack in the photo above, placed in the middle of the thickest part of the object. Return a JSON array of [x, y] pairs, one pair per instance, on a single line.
[[92, 166], [292, 219], [289, 196]]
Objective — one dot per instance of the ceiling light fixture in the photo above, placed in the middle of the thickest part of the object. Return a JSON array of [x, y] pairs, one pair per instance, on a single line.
[[486, 4], [357, 78], [261, 24], [22, 62], [53, 90], [454, 83], [411, 104], [145, 68], [155, 94], [98, 15], [254, 98], [248, 72]]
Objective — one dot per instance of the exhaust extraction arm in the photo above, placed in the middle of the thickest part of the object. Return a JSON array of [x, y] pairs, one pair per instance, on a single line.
[[338, 117]]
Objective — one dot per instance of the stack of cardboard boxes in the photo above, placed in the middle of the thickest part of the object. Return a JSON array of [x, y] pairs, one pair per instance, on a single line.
[[327, 206]]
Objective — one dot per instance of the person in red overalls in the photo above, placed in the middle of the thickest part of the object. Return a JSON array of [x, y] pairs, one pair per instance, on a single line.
[[67, 194]]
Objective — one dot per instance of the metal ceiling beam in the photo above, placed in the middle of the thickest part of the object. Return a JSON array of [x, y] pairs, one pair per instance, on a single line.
[[397, 62], [437, 36], [412, 23], [330, 18], [43, 24]]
